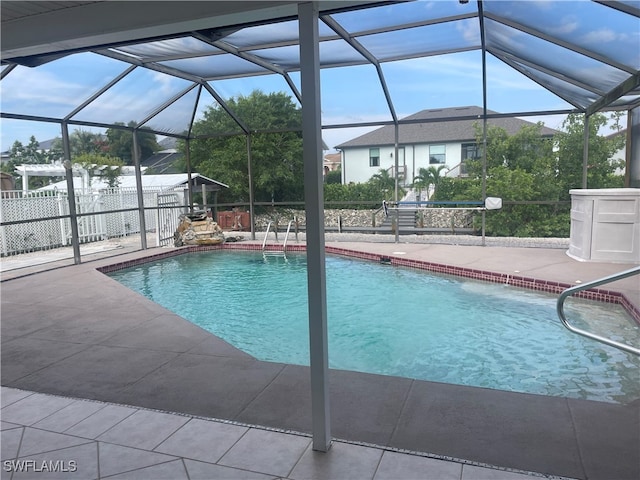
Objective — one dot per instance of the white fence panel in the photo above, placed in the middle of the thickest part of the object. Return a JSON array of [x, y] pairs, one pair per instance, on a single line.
[[45, 234], [33, 235]]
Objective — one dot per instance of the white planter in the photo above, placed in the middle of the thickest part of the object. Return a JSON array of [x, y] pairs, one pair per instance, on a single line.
[[605, 225]]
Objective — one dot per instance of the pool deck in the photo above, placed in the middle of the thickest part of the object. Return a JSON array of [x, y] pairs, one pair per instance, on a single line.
[[74, 332]]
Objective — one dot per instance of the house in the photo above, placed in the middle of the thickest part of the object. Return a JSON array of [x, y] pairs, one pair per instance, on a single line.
[[331, 162], [439, 140]]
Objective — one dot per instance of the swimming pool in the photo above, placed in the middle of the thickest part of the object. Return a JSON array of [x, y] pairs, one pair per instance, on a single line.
[[395, 321]]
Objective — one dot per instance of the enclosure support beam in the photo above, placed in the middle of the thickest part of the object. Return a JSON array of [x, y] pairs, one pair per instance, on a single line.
[[187, 149], [314, 206], [136, 163], [585, 151], [484, 118], [251, 199], [71, 194], [632, 177], [396, 135]]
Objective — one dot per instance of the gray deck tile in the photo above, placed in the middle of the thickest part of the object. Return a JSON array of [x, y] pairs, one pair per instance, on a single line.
[[8, 426], [167, 332], [115, 459], [26, 355], [33, 408], [472, 472], [68, 416], [144, 429], [10, 442], [368, 404], [396, 466], [10, 395], [202, 440], [267, 452], [207, 471], [284, 403], [88, 326], [101, 421], [97, 372], [216, 346], [40, 441], [342, 461], [606, 455], [462, 422], [225, 385], [165, 471], [78, 462]]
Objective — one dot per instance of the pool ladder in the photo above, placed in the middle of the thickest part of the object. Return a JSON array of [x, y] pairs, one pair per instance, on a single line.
[[275, 253], [570, 291]]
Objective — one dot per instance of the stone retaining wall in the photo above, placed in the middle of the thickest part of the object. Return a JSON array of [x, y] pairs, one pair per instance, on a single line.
[[427, 218]]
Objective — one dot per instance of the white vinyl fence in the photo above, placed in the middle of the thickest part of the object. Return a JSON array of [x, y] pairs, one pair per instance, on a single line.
[[97, 219]]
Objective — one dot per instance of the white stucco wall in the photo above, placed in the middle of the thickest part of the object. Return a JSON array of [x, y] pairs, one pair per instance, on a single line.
[[356, 169]]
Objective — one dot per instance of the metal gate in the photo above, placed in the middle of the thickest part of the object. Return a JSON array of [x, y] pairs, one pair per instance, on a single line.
[[168, 213], [91, 228]]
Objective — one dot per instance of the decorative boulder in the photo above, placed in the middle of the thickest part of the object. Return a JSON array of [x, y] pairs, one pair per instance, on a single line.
[[197, 229]]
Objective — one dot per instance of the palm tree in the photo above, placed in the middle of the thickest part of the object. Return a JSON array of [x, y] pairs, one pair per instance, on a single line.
[[434, 173], [422, 181], [383, 180]]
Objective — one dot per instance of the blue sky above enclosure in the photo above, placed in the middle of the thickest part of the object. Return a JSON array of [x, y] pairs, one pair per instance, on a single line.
[[541, 56]]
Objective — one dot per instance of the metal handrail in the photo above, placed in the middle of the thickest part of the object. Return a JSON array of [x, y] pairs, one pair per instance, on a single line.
[[286, 237], [266, 234], [570, 291]]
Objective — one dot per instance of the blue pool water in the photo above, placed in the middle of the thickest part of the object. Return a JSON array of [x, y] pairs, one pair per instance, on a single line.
[[396, 321]]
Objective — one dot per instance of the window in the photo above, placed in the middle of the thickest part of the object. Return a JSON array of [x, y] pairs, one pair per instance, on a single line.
[[437, 154], [374, 157], [471, 151]]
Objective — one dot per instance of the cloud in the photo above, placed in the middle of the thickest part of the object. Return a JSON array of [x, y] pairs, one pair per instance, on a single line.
[[36, 91], [568, 24], [469, 30], [602, 35], [165, 82]]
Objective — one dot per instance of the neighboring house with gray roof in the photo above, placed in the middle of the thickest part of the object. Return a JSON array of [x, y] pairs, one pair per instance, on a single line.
[[446, 137]]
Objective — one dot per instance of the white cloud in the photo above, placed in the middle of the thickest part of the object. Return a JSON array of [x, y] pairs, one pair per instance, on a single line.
[[23, 87], [568, 24], [603, 35]]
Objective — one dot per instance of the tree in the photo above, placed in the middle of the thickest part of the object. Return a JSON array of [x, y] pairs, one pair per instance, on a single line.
[[31, 154], [428, 177], [277, 166], [81, 142], [600, 168], [434, 173], [422, 181], [120, 143], [333, 176], [384, 183], [101, 166]]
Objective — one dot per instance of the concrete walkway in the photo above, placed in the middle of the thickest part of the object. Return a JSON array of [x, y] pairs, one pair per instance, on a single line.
[[74, 332]]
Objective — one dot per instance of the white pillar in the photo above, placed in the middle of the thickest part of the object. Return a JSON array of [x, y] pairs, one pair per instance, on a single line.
[[314, 206]]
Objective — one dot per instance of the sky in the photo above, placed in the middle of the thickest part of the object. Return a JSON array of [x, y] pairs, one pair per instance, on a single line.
[[348, 94]]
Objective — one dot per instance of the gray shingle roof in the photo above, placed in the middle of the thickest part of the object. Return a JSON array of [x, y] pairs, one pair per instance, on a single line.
[[439, 131]]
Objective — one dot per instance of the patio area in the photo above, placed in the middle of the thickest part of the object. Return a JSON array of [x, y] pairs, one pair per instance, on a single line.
[[76, 343]]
